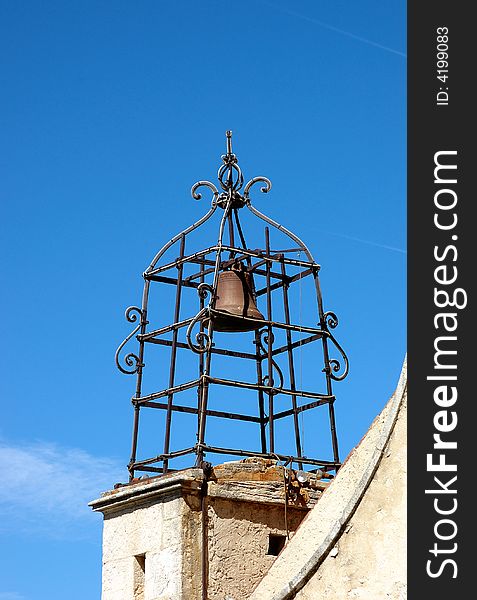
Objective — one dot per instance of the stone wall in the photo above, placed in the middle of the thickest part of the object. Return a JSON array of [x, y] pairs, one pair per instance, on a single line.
[[369, 560], [352, 545], [239, 542], [150, 534], [153, 530]]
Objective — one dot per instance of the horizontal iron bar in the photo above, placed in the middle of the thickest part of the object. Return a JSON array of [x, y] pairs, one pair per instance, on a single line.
[[173, 281], [275, 286], [180, 261], [287, 250], [297, 344], [299, 409], [281, 457], [203, 261], [300, 275], [161, 457], [255, 253], [142, 465], [153, 469], [223, 265], [266, 388], [287, 280], [324, 468], [211, 413], [264, 322], [228, 263], [171, 390], [213, 350], [273, 274], [228, 382], [146, 336], [200, 274], [263, 262], [261, 254], [151, 334]]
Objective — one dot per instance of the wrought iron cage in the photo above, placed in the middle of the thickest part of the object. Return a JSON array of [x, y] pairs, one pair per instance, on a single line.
[[271, 274]]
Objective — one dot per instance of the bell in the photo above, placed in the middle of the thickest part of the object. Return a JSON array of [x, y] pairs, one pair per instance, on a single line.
[[234, 301]]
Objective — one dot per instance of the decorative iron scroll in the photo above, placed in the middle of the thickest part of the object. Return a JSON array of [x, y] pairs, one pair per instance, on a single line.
[[203, 340], [265, 189], [199, 184], [335, 364], [262, 341], [131, 359], [331, 321]]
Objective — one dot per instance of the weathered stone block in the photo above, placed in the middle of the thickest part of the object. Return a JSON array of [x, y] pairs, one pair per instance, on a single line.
[[154, 529]]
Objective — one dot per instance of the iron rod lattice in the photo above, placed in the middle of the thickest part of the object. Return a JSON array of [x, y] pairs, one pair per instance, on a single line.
[[198, 272]]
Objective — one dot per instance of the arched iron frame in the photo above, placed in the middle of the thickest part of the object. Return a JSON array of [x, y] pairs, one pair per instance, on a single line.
[[270, 265]]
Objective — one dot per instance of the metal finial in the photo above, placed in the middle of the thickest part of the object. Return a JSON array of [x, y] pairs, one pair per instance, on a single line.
[[228, 133], [230, 176]]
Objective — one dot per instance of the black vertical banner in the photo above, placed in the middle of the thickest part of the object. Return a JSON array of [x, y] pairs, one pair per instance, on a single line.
[[441, 256]]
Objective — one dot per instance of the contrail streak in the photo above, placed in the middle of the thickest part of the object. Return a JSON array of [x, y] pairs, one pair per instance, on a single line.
[[370, 243], [335, 29]]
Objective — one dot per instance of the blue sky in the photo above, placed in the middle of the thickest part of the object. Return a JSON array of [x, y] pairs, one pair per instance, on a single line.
[[110, 111]]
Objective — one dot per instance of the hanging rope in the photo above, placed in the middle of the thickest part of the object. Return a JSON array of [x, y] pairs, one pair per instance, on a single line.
[[285, 490]]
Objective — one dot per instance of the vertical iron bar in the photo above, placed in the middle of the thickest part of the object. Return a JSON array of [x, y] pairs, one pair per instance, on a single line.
[[321, 313], [144, 322], [261, 403], [204, 398], [241, 236], [231, 235], [201, 325], [334, 437], [291, 366], [269, 344], [210, 333], [327, 369], [134, 443], [201, 356], [172, 370]]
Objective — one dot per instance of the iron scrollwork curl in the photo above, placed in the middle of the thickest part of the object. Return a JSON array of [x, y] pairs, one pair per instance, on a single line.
[[197, 195], [263, 339], [265, 189], [204, 343], [335, 365], [131, 360], [203, 289], [230, 167], [331, 319]]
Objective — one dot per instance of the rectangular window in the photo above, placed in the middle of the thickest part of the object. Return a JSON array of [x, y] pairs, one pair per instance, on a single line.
[[276, 543], [139, 576]]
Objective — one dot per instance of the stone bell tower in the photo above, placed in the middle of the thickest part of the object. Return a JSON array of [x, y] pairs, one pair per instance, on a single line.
[[223, 375]]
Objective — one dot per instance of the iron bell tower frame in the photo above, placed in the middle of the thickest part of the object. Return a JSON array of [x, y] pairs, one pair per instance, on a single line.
[[271, 279]]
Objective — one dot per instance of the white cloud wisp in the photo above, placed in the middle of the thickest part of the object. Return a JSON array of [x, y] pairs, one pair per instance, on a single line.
[[48, 487]]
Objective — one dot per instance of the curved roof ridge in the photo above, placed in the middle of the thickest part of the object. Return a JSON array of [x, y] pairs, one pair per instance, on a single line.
[[323, 525]]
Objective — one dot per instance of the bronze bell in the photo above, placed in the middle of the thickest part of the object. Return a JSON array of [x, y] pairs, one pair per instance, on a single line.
[[234, 300]]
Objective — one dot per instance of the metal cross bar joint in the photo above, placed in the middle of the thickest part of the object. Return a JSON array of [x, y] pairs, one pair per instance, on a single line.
[[232, 300]]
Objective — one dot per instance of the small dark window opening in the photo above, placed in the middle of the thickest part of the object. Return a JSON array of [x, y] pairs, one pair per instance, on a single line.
[[139, 576], [141, 561], [276, 543]]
